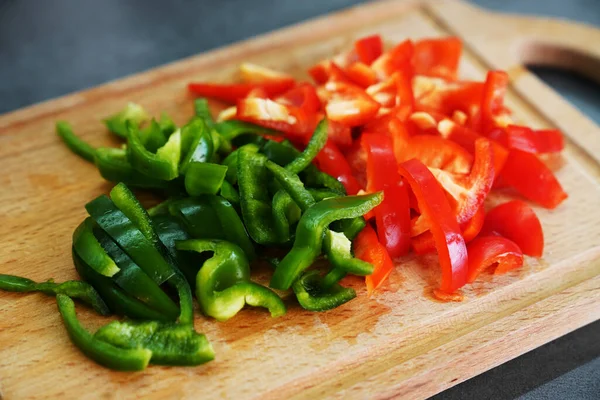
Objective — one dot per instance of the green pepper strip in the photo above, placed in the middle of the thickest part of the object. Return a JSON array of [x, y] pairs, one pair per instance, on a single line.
[[310, 231], [166, 124], [231, 161], [161, 165], [103, 353], [89, 249], [133, 113], [170, 344], [76, 289], [196, 144], [284, 153], [202, 111], [215, 218], [234, 128], [316, 143], [170, 230], [338, 250], [74, 142], [313, 296], [223, 283], [229, 193], [253, 179], [351, 226], [204, 178], [285, 214], [117, 300], [124, 232], [152, 137], [136, 282], [115, 167]]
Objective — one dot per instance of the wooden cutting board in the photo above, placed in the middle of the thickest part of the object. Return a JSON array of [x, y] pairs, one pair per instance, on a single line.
[[400, 342]]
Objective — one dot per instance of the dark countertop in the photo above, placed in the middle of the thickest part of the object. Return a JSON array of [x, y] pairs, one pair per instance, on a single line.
[[51, 48]]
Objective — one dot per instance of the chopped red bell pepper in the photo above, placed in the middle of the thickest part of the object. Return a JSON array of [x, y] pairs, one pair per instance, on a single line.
[[468, 192], [466, 138], [423, 244], [446, 97], [492, 101], [303, 95], [486, 251], [472, 227], [331, 161], [529, 140], [437, 57], [516, 221], [367, 248], [340, 134], [347, 103], [433, 151], [361, 74], [397, 59], [234, 92], [532, 179], [446, 233], [326, 71], [369, 48], [393, 214], [270, 114]]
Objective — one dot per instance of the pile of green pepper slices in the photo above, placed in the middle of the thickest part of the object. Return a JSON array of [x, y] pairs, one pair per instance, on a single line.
[[231, 194]]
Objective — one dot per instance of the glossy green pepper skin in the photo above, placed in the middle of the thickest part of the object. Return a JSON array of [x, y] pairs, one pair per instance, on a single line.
[[103, 353], [316, 143], [169, 344], [223, 285], [310, 231], [163, 164], [76, 289], [313, 296]]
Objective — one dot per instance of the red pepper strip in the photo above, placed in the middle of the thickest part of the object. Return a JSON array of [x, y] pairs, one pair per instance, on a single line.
[[361, 74], [368, 48], [466, 138], [489, 250], [472, 227], [532, 178], [437, 57], [234, 92], [393, 214], [397, 59], [469, 192], [384, 92], [258, 93], [331, 161], [347, 103], [529, 140], [423, 244], [433, 151], [516, 221], [435, 94], [444, 228], [367, 248], [292, 120], [327, 71], [304, 95], [492, 101], [339, 134]]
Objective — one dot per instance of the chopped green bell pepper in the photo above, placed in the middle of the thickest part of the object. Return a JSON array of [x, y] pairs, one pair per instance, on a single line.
[[204, 178], [310, 231], [132, 113], [164, 164], [223, 283], [75, 289], [135, 359], [314, 297], [316, 143], [74, 142]]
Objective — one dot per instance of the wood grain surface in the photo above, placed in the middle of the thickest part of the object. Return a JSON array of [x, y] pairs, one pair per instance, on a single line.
[[397, 343]]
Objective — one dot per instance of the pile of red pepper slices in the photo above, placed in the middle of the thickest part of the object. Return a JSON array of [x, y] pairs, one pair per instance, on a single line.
[[402, 122]]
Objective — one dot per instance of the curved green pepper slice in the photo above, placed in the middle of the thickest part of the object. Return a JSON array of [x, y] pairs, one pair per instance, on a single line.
[[310, 231], [132, 113], [204, 178], [103, 353], [314, 296], [316, 143], [223, 285], [74, 142], [164, 164], [76, 289], [285, 214]]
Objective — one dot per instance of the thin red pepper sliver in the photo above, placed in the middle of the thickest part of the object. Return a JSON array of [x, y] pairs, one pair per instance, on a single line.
[[331, 161], [367, 248], [447, 235], [393, 214]]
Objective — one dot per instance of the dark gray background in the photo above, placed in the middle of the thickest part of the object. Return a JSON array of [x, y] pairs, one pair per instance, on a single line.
[[52, 47]]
